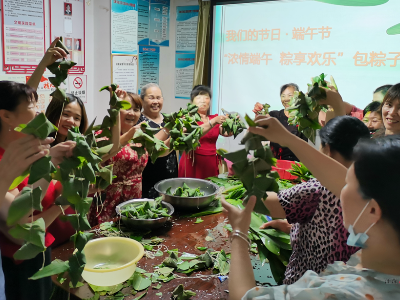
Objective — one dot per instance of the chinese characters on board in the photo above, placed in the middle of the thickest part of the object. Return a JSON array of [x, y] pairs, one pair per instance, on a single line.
[[372, 59]]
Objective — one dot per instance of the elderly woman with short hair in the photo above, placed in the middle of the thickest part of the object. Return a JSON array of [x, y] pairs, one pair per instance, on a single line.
[[164, 167]]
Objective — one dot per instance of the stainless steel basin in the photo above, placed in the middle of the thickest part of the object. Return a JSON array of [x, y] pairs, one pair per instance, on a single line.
[[138, 224], [188, 203]]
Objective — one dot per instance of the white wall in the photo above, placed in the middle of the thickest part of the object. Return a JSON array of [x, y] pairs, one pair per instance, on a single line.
[[98, 57], [102, 57]]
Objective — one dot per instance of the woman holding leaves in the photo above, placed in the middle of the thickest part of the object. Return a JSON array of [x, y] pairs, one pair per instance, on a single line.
[[18, 106], [370, 213], [164, 167], [203, 162], [317, 235], [19, 155], [127, 167], [287, 92]]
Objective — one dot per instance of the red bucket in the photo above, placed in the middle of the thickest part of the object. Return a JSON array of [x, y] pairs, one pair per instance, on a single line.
[[282, 166]]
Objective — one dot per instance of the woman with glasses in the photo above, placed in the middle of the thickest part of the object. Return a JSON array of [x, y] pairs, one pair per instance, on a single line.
[[287, 92], [164, 167]]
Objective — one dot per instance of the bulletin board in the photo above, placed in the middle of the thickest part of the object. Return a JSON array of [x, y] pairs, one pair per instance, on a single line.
[[67, 20]]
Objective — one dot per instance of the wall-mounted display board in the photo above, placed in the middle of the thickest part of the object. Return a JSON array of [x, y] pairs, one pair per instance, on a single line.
[[23, 26], [125, 71], [67, 20]]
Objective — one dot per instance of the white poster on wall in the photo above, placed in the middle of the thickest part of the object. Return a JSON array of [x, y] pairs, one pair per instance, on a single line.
[[23, 35], [67, 20], [125, 72], [77, 85], [124, 27]]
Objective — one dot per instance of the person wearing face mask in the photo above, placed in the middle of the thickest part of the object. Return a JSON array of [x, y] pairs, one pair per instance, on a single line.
[[287, 92], [370, 214], [314, 212], [164, 167], [373, 117], [203, 162]]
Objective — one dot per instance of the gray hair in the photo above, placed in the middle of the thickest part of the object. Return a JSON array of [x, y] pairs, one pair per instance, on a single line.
[[147, 86]]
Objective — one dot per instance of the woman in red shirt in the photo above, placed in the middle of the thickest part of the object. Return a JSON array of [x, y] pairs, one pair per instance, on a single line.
[[203, 162], [18, 106]]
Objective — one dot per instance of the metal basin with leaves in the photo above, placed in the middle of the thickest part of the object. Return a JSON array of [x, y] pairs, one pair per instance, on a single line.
[[187, 203], [138, 224], [111, 260]]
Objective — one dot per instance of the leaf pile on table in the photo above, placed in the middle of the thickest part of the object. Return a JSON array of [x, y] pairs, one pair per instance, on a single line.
[[185, 191], [272, 245], [304, 109], [188, 139], [75, 174], [255, 173], [233, 125], [148, 142], [145, 210]]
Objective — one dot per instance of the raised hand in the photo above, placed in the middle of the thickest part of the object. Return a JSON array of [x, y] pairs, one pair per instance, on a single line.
[[21, 153]]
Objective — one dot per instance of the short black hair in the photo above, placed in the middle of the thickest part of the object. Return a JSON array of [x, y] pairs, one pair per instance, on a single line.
[[285, 86], [13, 93], [373, 106], [200, 90], [383, 89], [342, 134], [376, 166]]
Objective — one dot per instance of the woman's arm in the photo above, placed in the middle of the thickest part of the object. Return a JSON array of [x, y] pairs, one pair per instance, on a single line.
[[116, 129], [207, 126], [241, 274], [52, 54], [274, 206], [329, 172]]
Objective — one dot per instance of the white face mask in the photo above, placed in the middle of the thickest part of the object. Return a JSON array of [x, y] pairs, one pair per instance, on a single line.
[[359, 239]]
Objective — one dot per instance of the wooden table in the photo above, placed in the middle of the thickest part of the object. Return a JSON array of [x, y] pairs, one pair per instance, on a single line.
[[184, 235]]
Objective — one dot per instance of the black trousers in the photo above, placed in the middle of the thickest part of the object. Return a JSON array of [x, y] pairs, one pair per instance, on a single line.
[[17, 284]]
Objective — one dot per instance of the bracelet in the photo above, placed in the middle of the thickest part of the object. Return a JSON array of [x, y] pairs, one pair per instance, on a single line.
[[165, 132], [241, 235]]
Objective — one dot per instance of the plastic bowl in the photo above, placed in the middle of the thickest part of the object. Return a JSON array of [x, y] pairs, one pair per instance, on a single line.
[[188, 203], [282, 166], [136, 224], [111, 260]]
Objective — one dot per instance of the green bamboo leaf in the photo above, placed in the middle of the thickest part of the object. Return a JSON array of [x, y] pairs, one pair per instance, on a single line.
[[104, 150], [23, 204], [42, 168], [57, 266], [28, 251], [90, 128], [88, 172], [270, 245], [76, 265], [17, 181], [123, 105], [32, 233], [249, 121], [40, 127], [59, 94], [139, 282]]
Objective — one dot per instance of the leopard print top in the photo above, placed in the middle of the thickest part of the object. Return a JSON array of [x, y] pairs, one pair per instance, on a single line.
[[318, 236]]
